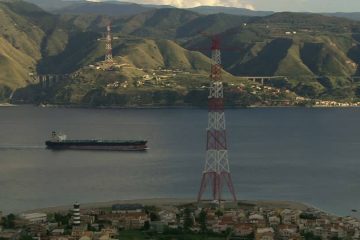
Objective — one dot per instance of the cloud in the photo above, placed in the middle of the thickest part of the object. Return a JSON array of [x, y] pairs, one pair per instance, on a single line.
[[196, 3]]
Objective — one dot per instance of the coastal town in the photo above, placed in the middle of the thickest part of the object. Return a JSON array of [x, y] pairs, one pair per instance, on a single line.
[[210, 220]]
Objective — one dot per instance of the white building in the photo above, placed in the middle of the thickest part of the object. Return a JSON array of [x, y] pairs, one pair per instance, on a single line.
[[274, 221], [34, 217], [264, 234]]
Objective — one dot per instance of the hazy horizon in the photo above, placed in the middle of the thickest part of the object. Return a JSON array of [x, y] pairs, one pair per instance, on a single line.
[[263, 5]]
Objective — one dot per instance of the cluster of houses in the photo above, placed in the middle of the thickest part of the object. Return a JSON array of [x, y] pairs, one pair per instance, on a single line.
[[234, 223], [267, 89], [283, 224], [154, 77], [159, 77], [324, 103], [118, 84], [155, 80]]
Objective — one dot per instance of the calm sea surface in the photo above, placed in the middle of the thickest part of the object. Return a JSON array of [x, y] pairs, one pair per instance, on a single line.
[[307, 155]]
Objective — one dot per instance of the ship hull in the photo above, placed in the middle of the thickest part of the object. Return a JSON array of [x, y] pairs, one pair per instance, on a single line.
[[97, 145]]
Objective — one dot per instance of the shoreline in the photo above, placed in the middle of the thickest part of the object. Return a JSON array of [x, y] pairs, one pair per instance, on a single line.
[[175, 107], [171, 202], [7, 105]]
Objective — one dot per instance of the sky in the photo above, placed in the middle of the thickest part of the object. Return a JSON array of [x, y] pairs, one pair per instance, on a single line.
[[274, 5]]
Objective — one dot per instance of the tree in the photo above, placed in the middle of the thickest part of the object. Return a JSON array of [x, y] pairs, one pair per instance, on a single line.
[[146, 225], [219, 213], [203, 220], [25, 237], [311, 236], [197, 98], [171, 97], [9, 221], [188, 221], [91, 228], [62, 219], [154, 217]]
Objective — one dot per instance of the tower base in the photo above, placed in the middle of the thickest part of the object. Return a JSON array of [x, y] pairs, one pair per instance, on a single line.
[[216, 182]]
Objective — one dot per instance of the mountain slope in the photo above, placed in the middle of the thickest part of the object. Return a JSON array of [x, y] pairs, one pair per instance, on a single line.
[[15, 66], [50, 5], [253, 13], [311, 54], [161, 23], [230, 10], [348, 15], [20, 43], [213, 23], [104, 8], [152, 54]]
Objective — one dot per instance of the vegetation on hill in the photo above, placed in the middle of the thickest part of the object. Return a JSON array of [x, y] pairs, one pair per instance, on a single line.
[[20, 41], [163, 51], [113, 8], [230, 10], [160, 23]]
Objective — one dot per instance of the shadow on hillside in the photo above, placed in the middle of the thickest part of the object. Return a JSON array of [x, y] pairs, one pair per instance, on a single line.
[[354, 53], [81, 48], [31, 94], [267, 61]]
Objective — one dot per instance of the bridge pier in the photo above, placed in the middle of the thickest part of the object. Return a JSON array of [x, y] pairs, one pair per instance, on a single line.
[[49, 80], [262, 79]]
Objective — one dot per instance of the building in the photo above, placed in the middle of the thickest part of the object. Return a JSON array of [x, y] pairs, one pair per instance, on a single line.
[[290, 216], [167, 217], [37, 229], [264, 234], [128, 221], [76, 215], [274, 221], [243, 229], [10, 234], [87, 219], [111, 232], [34, 217], [127, 208], [258, 220], [58, 232], [79, 231], [286, 231]]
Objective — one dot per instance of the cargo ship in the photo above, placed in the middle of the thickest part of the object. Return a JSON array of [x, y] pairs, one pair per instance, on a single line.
[[60, 142]]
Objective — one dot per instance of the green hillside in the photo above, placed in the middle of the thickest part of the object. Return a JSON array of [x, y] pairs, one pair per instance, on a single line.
[[161, 23], [27, 34], [20, 43], [111, 8], [86, 22], [312, 55], [160, 53], [230, 10], [210, 23], [14, 66], [314, 52]]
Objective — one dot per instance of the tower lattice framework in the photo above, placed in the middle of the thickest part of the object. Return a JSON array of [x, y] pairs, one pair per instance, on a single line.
[[108, 45], [216, 174]]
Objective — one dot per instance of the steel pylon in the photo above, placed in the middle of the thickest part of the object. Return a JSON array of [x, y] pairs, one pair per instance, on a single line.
[[108, 45], [216, 174]]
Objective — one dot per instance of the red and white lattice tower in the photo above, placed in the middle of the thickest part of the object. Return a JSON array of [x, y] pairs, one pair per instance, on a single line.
[[108, 45], [216, 174]]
